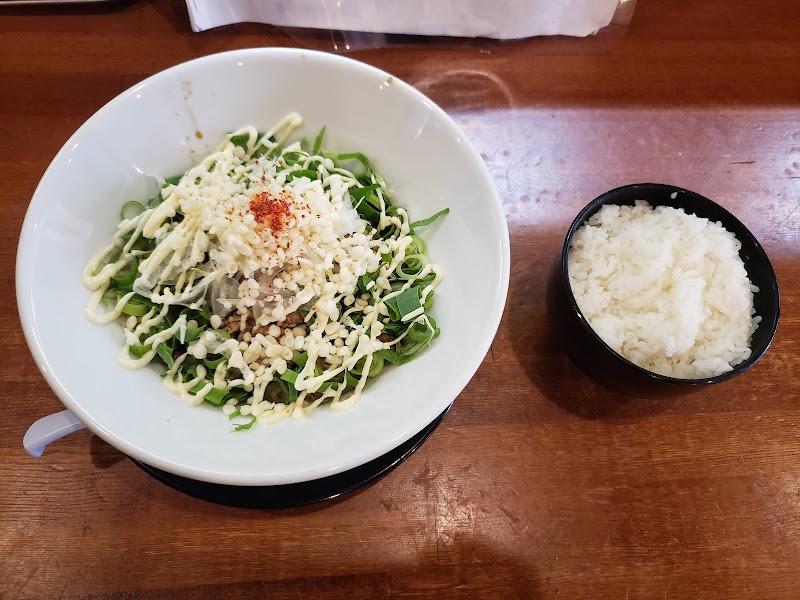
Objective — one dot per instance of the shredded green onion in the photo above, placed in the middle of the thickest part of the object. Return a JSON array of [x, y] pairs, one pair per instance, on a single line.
[[131, 209], [318, 142], [245, 425], [429, 220], [165, 354], [408, 324], [135, 309]]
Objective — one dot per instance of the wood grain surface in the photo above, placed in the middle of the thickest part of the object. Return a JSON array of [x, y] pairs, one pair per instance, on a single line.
[[538, 484]]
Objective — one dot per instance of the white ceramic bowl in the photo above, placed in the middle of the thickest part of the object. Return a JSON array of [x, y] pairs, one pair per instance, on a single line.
[[151, 130]]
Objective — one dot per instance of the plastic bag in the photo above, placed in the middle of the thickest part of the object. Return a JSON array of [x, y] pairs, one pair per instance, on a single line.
[[346, 25]]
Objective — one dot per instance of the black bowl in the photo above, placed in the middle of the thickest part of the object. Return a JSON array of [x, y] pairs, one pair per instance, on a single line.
[[594, 356]]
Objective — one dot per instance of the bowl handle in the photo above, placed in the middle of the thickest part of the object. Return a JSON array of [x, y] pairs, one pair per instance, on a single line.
[[49, 429]]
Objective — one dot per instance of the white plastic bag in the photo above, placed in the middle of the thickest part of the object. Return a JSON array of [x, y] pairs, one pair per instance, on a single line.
[[493, 19]]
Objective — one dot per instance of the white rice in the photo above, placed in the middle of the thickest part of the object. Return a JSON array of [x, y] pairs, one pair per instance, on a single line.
[[665, 289]]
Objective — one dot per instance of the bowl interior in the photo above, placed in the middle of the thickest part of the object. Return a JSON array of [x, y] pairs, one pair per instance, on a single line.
[[162, 127], [759, 269]]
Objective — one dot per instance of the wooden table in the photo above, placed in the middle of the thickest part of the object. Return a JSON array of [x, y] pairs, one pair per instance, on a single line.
[[538, 484]]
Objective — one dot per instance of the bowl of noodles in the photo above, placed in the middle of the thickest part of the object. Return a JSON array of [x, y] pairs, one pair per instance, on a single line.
[[263, 267]]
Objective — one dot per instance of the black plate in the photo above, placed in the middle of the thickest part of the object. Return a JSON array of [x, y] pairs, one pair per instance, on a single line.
[[295, 494]]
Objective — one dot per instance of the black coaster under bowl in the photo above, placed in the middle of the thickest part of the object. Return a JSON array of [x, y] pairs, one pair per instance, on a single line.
[[295, 494]]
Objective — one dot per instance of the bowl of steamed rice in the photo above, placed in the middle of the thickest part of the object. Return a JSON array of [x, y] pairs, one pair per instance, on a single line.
[[658, 289]]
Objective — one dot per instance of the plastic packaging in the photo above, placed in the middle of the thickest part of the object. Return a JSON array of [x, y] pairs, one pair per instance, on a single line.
[[348, 25]]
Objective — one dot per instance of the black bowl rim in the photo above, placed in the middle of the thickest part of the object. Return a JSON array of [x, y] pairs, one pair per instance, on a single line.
[[751, 240]]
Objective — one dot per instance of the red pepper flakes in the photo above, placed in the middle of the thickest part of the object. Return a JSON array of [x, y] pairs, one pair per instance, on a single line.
[[273, 211]]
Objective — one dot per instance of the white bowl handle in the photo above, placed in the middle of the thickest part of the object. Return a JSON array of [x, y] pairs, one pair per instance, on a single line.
[[49, 429]]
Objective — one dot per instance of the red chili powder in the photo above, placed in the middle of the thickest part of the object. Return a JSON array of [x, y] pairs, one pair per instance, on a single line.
[[273, 211]]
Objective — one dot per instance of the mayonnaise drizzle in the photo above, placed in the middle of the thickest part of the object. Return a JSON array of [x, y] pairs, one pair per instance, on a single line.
[[172, 274], [103, 318]]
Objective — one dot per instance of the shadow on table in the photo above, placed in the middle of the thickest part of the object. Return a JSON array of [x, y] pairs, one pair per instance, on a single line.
[[536, 347], [104, 455], [464, 566], [450, 564], [458, 568]]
